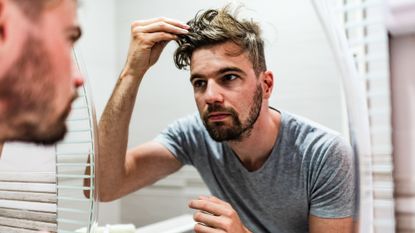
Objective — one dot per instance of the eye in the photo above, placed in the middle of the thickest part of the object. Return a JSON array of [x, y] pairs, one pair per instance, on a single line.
[[198, 83], [229, 77]]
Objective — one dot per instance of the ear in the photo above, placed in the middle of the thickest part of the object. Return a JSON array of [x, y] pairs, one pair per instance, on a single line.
[[12, 35], [2, 21], [6, 9], [12, 30], [267, 83]]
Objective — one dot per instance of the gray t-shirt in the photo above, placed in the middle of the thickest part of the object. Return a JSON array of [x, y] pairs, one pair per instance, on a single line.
[[309, 171]]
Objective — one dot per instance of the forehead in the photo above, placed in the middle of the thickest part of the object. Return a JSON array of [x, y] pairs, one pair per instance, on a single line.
[[62, 10], [58, 17], [212, 58]]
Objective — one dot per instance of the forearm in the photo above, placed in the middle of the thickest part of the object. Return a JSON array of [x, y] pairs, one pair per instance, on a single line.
[[113, 135], [148, 38]]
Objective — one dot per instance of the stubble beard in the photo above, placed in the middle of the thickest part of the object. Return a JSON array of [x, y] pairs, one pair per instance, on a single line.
[[28, 89], [237, 131]]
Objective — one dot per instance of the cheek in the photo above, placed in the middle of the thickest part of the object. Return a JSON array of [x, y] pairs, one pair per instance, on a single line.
[[60, 53], [62, 73], [244, 104], [198, 101], [62, 59]]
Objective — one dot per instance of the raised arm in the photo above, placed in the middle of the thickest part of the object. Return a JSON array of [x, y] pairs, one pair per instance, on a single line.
[[119, 171]]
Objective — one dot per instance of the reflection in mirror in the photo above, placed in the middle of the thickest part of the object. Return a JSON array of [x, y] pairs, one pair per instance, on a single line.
[[42, 188], [306, 82]]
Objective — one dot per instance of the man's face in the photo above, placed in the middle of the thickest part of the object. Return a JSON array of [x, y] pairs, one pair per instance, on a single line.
[[227, 92], [41, 83]]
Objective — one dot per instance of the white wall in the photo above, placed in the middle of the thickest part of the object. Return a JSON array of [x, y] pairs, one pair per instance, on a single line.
[[98, 52]]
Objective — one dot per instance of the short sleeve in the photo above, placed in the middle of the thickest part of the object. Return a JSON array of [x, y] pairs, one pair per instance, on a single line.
[[332, 193], [181, 138]]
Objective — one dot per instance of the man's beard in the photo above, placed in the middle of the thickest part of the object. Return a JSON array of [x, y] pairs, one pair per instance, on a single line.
[[237, 131], [29, 92]]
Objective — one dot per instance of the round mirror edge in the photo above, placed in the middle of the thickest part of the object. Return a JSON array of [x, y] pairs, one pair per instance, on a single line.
[[357, 117]]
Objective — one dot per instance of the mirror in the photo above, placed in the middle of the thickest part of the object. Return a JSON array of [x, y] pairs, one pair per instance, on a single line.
[[307, 82], [298, 51], [42, 187], [359, 39]]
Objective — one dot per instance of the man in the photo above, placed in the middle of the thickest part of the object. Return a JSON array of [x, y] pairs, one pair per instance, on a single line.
[[268, 171], [37, 77]]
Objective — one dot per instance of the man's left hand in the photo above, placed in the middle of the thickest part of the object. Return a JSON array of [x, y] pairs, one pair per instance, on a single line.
[[215, 215]]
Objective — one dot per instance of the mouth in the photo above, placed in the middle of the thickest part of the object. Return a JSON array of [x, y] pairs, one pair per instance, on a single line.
[[218, 116]]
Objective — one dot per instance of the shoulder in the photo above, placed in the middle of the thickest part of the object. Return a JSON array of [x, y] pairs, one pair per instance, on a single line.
[[188, 129], [313, 138], [188, 123], [301, 125]]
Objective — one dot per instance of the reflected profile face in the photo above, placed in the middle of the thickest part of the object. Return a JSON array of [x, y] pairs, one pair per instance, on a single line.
[[41, 83], [227, 91]]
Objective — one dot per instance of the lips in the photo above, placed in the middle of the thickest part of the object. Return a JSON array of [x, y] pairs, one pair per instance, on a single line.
[[218, 116]]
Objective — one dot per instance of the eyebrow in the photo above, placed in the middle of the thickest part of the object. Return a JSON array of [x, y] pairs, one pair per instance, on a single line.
[[220, 71]]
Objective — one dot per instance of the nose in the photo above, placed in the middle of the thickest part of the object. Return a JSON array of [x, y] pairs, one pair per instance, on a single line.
[[78, 80], [213, 93]]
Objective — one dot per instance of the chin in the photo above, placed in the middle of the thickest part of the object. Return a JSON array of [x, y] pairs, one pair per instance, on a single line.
[[54, 134], [54, 137], [49, 136]]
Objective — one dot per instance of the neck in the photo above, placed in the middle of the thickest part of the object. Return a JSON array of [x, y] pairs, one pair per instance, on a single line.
[[255, 149]]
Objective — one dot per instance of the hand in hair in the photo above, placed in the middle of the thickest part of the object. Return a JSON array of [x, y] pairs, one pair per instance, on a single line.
[[148, 39]]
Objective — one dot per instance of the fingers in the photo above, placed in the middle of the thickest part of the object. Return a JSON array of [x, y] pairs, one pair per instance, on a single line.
[[211, 205], [159, 25], [208, 205], [152, 31], [148, 39], [161, 19], [200, 228], [161, 36], [209, 220], [215, 214]]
